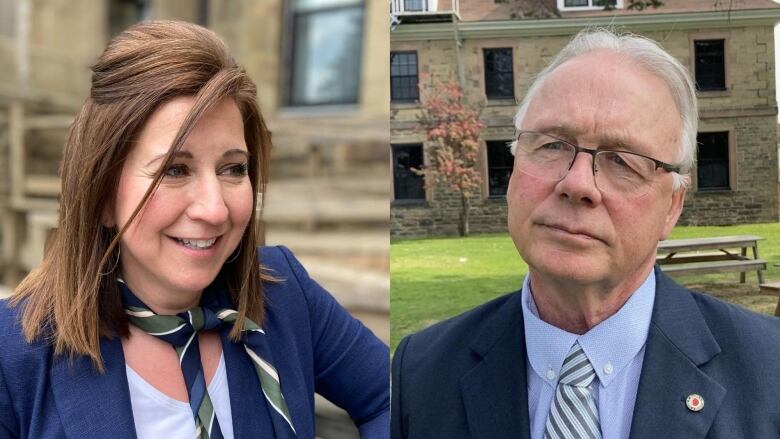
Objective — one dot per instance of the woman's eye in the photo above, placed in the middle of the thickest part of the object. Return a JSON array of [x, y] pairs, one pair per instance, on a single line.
[[237, 170], [176, 171]]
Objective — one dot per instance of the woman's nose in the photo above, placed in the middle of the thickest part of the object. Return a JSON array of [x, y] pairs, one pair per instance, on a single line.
[[208, 202]]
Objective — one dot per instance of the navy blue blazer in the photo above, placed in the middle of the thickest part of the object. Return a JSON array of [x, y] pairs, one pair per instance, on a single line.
[[317, 347], [466, 377]]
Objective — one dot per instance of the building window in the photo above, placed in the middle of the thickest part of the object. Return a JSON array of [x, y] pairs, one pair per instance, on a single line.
[[414, 5], [499, 77], [589, 4], [326, 52], [408, 185], [712, 161], [710, 64], [125, 13], [403, 77], [500, 165]]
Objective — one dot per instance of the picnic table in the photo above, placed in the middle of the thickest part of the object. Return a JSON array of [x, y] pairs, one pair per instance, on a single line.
[[712, 255]]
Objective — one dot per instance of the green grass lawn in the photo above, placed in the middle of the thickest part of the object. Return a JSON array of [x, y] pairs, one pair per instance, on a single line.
[[432, 279]]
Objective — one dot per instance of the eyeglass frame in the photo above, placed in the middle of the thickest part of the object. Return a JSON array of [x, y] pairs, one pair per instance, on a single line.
[[592, 152]]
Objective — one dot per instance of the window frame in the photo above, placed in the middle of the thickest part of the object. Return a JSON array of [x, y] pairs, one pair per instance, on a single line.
[[619, 4], [402, 201], [487, 166], [485, 72], [700, 36], [287, 59], [732, 162], [416, 75]]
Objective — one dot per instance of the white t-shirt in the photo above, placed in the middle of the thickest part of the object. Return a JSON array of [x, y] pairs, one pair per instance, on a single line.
[[157, 415]]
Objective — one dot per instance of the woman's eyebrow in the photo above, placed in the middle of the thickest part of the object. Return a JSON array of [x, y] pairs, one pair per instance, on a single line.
[[177, 154], [235, 151], [188, 155]]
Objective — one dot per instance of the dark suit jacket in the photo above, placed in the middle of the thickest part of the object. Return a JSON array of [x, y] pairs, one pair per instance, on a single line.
[[466, 377], [316, 346]]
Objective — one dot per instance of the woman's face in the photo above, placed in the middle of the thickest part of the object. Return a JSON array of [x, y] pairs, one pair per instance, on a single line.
[[192, 223]]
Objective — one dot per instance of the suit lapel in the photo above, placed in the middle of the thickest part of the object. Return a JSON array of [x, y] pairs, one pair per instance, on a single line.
[[495, 393], [91, 404], [679, 342]]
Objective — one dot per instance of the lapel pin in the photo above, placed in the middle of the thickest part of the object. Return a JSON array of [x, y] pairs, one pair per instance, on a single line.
[[694, 402]]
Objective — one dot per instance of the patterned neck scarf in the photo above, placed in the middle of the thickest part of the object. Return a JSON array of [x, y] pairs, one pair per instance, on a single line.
[[181, 332]]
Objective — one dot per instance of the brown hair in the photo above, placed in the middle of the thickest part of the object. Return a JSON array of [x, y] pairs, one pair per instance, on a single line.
[[66, 301]]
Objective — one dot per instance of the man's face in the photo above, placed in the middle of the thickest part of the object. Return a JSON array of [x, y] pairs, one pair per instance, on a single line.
[[569, 230]]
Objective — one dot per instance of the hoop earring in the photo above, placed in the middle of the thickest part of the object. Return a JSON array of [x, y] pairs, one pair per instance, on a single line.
[[237, 253], [118, 253]]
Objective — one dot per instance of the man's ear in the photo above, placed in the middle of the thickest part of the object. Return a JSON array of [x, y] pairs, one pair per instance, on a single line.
[[675, 210]]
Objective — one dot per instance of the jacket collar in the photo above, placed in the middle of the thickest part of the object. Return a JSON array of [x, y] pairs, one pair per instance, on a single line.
[[91, 404], [495, 393], [679, 343]]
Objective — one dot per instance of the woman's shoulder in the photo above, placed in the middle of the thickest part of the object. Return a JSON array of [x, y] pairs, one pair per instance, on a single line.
[[285, 274], [17, 355]]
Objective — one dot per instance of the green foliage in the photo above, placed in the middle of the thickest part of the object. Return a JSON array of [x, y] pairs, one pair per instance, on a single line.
[[641, 5]]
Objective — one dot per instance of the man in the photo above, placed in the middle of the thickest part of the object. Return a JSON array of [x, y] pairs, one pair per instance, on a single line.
[[598, 343]]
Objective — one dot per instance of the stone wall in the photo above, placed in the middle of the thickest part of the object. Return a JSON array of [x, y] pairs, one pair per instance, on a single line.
[[747, 109]]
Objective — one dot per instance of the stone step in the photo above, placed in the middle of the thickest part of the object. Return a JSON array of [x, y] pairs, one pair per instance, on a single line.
[[373, 242], [355, 287]]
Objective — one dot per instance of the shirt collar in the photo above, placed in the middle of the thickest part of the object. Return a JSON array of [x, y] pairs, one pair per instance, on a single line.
[[610, 346]]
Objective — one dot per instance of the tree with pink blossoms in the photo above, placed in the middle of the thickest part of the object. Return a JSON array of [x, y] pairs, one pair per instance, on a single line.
[[451, 127]]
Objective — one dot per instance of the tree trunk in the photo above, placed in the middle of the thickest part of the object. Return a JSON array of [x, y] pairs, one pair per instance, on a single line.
[[464, 215]]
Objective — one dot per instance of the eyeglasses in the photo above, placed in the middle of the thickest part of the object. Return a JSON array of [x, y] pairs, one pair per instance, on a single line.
[[615, 172]]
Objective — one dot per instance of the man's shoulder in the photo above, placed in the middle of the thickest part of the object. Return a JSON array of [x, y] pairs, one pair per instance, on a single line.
[[456, 333], [729, 321]]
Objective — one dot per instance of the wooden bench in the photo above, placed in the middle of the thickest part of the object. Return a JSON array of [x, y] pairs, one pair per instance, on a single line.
[[772, 289], [712, 255], [715, 266]]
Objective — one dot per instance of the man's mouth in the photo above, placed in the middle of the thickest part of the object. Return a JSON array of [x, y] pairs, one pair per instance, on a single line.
[[573, 231]]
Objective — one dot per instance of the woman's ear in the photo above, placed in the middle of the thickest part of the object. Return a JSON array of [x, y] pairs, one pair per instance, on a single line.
[[107, 217]]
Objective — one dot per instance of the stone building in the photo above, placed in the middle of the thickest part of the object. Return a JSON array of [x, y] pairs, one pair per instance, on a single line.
[[321, 72], [495, 49]]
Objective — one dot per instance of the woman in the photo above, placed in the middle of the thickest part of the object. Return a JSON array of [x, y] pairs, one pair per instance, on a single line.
[[150, 315]]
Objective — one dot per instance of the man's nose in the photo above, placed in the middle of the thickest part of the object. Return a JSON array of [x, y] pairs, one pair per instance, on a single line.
[[208, 202], [579, 184]]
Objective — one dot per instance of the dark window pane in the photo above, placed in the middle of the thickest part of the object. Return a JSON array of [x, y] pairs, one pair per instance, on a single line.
[[125, 13], [569, 3], [604, 2], [713, 161], [406, 183], [500, 165], [710, 64], [327, 43], [403, 77], [499, 75], [413, 5]]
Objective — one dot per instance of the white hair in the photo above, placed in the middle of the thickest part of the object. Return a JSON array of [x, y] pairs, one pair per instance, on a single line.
[[652, 57]]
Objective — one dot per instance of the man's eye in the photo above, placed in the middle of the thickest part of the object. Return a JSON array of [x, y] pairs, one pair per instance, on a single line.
[[552, 146], [176, 171], [237, 170]]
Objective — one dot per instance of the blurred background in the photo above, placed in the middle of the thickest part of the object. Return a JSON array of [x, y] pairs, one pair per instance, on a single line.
[[321, 67]]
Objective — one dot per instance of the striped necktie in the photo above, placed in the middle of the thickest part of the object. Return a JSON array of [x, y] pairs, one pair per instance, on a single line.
[[573, 413], [181, 331]]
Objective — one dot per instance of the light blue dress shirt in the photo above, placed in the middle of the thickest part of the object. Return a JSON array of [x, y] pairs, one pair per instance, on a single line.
[[615, 348]]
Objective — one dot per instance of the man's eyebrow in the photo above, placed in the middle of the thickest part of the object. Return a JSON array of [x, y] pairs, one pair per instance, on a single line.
[[608, 140]]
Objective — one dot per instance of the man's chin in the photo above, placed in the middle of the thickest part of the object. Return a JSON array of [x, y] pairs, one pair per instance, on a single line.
[[578, 269]]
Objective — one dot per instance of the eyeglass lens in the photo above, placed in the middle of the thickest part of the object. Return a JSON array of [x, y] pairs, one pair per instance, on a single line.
[[615, 172]]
